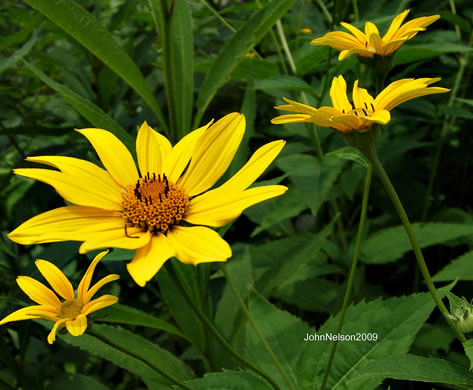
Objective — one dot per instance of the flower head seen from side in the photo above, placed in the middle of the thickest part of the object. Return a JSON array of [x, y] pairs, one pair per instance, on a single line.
[[73, 311], [167, 210], [365, 111], [370, 42]]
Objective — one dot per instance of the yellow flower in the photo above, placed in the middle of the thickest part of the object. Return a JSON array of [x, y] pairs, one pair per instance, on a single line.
[[73, 311], [306, 30], [366, 110], [119, 208], [370, 42]]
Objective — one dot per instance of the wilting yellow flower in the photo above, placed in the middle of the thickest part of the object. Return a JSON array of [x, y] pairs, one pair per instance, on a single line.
[[370, 42], [366, 110], [306, 30], [119, 208], [73, 311]]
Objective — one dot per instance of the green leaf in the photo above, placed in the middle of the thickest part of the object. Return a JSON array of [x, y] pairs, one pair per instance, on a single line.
[[352, 154], [413, 53], [19, 54], [166, 361], [460, 268], [88, 31], [416, 368], [390, 244], [86, 108], [468, 346], [76, 382], [284, 334], [230, 380], [122, 314], [394, 322], [242, 41], [287, 83]]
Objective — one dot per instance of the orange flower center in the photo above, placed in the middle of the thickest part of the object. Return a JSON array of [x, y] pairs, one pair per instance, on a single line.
[[70, 309], [154, 203]]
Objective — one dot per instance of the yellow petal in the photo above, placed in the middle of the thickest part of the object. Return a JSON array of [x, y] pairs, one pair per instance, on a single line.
[[114, 155], [346, 123], [87, 278], [74, 223], [78, 326], [198, 244], [181, 153], [395, 24], [99, 303], [133, 238], [338, 94], [361, 97], [56, 279], [291, 118], [377, 43], [31, 312], [74, 188], [339, 40], [97, 286], [52, 334], [363, 52], [417, 23], [357, 33], [217, 207], [149, 259], [213, 153], [370, 28], [37, 291], [152, 149], [382, 117]]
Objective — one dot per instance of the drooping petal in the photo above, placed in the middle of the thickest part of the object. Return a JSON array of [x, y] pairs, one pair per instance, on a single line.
[[114, 155], [56, 279], [38, 292], [152, 150], [52, 334], [149, 259], [363, 52], [75, 223], [219, 207], [213, 153], [78, 326], [31, 312], [97, 286], [339, 40], [131, 238], [382, 117], [395, 24], [198, 244], [87, 278], [99, 303], [181, 153], [338, 94]]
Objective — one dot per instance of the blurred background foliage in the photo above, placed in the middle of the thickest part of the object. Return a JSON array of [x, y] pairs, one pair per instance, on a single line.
[[293, 250]]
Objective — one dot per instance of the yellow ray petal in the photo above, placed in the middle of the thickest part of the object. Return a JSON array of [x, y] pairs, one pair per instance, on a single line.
[[346, 123], [421, 22], [370, 28], [363, 52], [361, 96], [74, 223], [395, 24], [74, 189], [381, 117], [377, 43], [291, 118], [37, 291], [297, 107], [87, 278], [357, 33], [114, 155], [78, 326], [116, 238], [339, 40], [52, 334], [198, 244], [338, 94], [152, 150], [213, 153], [149, 259], [31, 312], [56, 279], [97, 286], [181, 153], [217, 207], [99, 303]]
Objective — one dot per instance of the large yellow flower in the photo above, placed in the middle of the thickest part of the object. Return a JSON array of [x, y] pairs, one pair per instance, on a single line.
[[365, 111], [370, 42], [73, 311], [163, 212]]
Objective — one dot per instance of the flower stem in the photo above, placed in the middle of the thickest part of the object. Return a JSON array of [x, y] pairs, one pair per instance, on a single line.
[[351, 275], [253, 325], [211, 327], [370, 152], [106, 340]]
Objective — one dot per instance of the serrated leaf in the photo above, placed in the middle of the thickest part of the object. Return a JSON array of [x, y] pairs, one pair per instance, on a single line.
[[417, 368], [460, 268], [468, 346], [230, 380], [390, 244], [352, 154]]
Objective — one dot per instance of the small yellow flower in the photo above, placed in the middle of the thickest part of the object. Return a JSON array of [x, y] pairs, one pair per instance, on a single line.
[[370, 42], [366, 110], [73, 311], [250, 54], [306, 30], [118, 207]]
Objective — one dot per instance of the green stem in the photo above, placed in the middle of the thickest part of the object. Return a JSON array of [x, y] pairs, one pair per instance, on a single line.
[[370, 152], [351, 275], [253, 325], [454, 11], [108, 341], [211, 327], [285, 47], [325, 11], [355, 10]]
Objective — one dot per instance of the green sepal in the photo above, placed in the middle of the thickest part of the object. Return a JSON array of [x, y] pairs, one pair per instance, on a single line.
[[461, 312], [363, 139]]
